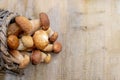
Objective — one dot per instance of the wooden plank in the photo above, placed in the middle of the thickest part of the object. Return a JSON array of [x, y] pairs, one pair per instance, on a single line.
[[90, 34]]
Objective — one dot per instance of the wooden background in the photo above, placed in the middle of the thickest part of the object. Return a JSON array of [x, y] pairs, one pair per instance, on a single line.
[[89, 31]]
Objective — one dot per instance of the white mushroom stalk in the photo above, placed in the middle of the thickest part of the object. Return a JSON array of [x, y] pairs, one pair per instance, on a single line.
[[23, 59], [37, 57]]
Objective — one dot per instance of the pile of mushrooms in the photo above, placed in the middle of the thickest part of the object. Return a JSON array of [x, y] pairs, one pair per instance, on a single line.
[[32, 40]]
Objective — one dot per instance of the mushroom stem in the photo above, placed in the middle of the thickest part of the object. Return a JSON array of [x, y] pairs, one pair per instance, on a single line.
[[48, 48], [49, 32], [21, 47], [25, 61], [43, 56], [25, 42], [55, 47], [17, 55], [48, 58], [35, 25]]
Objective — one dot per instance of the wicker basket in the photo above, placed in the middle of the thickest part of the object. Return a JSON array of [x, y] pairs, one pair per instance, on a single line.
[[6, 62]]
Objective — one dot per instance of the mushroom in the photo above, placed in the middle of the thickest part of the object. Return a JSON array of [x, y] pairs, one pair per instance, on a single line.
[[12, 42], [55, 47], [37, 57], [45, 24], [21, 46], [26, 42], [16, 54], [13, 29], [23, 59], [24, 24], [52, 35], [40, 39]]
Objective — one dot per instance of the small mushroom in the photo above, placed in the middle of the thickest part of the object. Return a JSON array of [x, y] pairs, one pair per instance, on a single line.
[[23, 59], [16, 54], [55, 47], [36, 57], [45, 24], [27, 41], [12, 42], [13, 29], [40, 39], [53, 37]]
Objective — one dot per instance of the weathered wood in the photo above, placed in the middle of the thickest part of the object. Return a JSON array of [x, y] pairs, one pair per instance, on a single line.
[[90, 34]]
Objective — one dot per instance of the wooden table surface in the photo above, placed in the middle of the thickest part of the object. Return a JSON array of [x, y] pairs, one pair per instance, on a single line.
[[89, 31]]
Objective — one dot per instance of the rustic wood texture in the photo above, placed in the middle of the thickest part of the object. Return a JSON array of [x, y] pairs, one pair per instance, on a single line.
[[89, 31]]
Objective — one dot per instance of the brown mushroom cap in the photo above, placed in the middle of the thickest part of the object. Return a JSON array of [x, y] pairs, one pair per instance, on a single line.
[[12, 42], [36, 57], [54, 37], [57, 47], [40, 39], [13, 29], [24, 24], [27, 41], [45, 23]]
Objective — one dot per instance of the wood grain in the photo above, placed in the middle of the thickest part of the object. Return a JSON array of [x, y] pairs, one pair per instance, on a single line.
[[89, 31]]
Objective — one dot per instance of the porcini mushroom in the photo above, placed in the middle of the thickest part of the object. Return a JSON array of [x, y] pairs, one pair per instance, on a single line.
[[12, 42], [28, 26], [23, 59], [53, 37], [55, 47], [37, 57], [40, 39], [45, 24], [16, 54], [24, 24], [21, 47], [13, 29], [25, 43]]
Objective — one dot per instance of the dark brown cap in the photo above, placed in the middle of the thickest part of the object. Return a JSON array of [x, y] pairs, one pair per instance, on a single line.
[[44, 20], [57, 47], [53, 37], [36, 57]]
